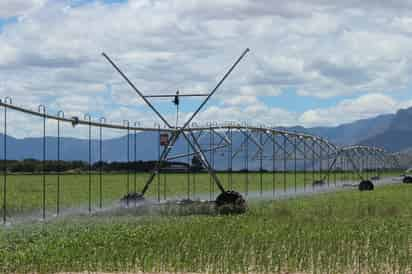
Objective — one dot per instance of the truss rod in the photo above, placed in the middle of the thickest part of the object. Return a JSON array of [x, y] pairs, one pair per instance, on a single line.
[[195, 146], [174, 157], [186, 124], [174, 95], [216, 88], [136, 90], [76, 121]]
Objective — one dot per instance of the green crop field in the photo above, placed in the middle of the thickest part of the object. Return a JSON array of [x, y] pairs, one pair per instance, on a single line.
[[344, 232], [25, 192]]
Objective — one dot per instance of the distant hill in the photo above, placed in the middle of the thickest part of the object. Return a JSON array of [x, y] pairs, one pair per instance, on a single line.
[[391, 131], [350, 133], [397, 137], [77, 149]]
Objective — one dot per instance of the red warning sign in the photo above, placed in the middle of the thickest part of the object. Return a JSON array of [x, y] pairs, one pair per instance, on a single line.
[[164, 139]]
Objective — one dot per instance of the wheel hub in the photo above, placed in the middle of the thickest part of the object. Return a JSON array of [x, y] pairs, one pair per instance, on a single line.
[[366, 185], [131, 197], [230, 202]]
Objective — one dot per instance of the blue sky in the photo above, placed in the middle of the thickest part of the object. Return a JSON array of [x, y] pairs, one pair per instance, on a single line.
[[6, 21], [312, 63], [75, 3]]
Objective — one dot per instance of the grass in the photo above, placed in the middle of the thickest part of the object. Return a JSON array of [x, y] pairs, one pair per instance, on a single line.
[[25, 192], [353, 232]]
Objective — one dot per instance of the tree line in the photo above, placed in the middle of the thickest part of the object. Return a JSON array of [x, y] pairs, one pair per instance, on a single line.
[[38, 166]]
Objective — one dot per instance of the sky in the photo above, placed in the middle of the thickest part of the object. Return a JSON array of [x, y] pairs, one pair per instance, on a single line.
[[312, 62]]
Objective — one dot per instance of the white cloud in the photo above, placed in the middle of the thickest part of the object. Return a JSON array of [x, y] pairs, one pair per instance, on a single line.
[[11, 8], [255, 113], [319, 48], [365, 106], [241, 100]]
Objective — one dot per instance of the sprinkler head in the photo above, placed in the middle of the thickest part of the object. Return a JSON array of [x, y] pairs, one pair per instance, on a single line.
[[75, 121], [176, 99]]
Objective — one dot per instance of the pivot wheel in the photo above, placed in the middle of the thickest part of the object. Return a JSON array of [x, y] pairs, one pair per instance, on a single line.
[[131, 197], [407, 180], [318, 183], [366, 185], [230, 202]]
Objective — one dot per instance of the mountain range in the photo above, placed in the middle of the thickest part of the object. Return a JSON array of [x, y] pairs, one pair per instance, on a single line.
[[390, 131]]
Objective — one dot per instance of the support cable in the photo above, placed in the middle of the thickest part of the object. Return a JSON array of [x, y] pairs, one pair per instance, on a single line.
[[42, 109], [59, 164], [101, 120]]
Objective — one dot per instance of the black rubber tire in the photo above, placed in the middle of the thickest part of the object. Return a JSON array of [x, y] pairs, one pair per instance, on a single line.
[[407, 180], [230, 202], [366, 185], [131, 197], [318, 183]]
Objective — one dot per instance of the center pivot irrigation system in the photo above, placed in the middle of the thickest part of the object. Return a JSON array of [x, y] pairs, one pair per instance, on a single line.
[[256, 161], [230, 201]]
